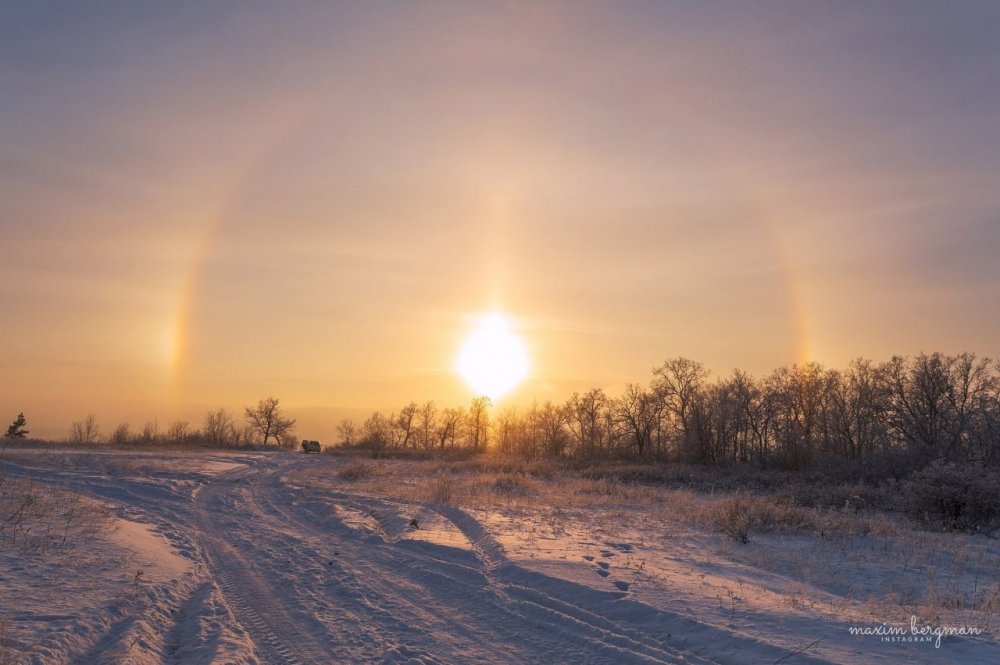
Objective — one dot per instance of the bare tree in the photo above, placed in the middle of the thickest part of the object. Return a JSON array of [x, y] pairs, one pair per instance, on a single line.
[[760, 409], [85, 431], [404, 423], [506, 426], [287, 439], [638, 411], [121, 435], [347, 431], [267, 421], [859, 400], [743, 390], [551, 421], [449, 428], [245, 435], [971, 383], [987, 433], [802, 398], [151, 432], [586, 418], [677, 383], [716, 419], [529, 434], [178, 431], [220, 430], [920, 402], [478, 422], [377, 432], [426, 422]]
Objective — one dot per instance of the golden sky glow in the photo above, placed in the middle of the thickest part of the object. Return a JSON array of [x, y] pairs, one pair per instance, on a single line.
[[204, 206]]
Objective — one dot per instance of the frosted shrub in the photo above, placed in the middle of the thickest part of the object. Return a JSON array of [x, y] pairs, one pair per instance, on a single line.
[[953, 497], [736, 514], [731, 516]]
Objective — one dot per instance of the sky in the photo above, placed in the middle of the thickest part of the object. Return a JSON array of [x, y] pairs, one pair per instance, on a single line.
[[204, 204]]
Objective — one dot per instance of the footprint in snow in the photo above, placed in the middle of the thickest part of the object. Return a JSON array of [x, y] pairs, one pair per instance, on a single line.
[[602, 572], [588, 557], [604, 564], [622, 586]]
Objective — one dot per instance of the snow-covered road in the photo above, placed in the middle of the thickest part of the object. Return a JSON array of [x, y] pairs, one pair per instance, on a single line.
[[311, 588], [248, 558]]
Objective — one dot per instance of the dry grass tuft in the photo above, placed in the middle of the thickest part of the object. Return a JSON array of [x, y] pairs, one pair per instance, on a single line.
[[36, 518], [502, 485], [443, 490], [358, 471], [737, 515]]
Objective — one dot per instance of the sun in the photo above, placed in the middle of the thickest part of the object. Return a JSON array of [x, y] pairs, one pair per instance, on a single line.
[[493, 360]]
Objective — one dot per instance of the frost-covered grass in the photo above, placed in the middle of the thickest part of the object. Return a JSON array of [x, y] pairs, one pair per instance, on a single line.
[[52, 553], [35, 519], [823, 550], [78, 581]]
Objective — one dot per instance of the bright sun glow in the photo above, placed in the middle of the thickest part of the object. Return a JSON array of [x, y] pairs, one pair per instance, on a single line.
[[493, 360]]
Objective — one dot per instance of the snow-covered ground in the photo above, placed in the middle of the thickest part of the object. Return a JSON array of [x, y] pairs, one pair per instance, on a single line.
[[280, 557]]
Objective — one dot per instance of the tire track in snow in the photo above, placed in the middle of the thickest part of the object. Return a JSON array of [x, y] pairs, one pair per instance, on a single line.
[[387, 596], [264, 611], [607, 621], [509, 578], [571, 603], [523, 605], [353, 620], [502, 577]]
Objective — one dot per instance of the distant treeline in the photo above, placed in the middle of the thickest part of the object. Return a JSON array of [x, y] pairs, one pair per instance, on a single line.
[[262, 424], [893, 416], [884, 418]]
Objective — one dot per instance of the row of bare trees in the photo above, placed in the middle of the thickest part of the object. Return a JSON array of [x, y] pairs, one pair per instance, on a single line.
[[422, 426], [907, 409], [264, 424]]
